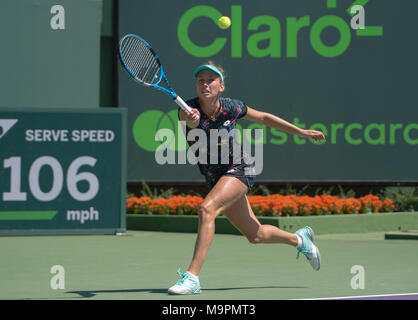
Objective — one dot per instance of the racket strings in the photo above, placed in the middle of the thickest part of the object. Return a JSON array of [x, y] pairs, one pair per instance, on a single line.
[[140, 60], [131, 52], [135, 56]]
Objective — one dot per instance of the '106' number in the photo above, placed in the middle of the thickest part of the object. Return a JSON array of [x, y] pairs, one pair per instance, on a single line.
[[73, 177]]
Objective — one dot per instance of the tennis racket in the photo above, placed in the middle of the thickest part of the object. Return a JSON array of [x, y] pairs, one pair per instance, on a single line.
[[143, 65]]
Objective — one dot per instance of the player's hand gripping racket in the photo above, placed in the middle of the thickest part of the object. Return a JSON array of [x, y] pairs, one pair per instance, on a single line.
[[142, 63]]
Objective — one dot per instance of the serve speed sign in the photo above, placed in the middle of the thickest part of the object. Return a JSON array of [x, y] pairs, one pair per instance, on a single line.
[[62, 171]]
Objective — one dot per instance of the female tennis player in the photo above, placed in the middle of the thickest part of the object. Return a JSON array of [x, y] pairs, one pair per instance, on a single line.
[[229, 183]]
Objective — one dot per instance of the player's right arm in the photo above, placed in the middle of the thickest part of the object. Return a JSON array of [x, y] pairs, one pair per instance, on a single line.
[[192, 118]]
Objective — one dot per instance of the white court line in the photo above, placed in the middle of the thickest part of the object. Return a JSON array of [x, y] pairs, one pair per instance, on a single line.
[[372, 296]]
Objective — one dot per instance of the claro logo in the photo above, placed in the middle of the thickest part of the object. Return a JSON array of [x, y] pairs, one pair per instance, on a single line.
[[276, 34]]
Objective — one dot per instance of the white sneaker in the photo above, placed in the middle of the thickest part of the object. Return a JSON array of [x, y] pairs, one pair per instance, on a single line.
[[187, 284], [308, 247]]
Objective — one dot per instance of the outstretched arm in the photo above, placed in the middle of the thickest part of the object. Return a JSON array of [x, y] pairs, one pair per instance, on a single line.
[[275, 122]]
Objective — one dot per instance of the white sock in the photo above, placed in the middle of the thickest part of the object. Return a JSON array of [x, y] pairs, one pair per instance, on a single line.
[[299, 241], [193, 275]]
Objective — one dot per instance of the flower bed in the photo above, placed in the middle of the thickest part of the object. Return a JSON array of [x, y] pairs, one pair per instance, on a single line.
[[272, 205]]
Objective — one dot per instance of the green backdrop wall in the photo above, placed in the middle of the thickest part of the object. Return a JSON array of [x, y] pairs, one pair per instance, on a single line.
[[50, 53], [300, 60]]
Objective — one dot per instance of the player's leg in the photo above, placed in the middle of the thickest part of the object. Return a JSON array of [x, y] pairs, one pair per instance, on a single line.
[[223, 195], [242, 217], [225, 192]]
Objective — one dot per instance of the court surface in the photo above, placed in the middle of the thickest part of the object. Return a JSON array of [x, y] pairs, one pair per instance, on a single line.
[[142, 265]]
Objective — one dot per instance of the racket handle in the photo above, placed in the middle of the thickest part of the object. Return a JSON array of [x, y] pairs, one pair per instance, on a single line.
[[182, 104]]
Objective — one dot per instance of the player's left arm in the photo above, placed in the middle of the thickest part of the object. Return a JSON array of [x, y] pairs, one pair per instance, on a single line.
[[275, 122]]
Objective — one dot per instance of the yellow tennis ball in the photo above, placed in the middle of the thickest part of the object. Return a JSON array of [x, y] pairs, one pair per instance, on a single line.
[[224, 22]]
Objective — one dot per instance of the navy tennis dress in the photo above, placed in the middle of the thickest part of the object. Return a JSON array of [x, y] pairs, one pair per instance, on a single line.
[[238, 164]]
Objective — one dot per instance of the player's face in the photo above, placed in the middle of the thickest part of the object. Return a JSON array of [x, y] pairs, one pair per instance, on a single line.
[[209, 85]]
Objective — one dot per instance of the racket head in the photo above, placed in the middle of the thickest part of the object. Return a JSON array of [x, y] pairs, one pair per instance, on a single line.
[[140, 60]]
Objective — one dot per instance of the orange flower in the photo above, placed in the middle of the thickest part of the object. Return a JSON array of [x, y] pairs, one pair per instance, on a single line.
[[272, 205]]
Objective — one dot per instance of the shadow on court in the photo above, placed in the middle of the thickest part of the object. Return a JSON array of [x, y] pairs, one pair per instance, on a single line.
[[91, 294]]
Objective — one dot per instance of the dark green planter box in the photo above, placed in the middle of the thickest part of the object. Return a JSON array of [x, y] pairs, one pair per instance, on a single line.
[[399, 235], [188, 224], [350, 223]]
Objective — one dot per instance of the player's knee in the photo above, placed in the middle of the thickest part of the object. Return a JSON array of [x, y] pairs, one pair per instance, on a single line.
[[257, 237], [206, 213], [253, 239]]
